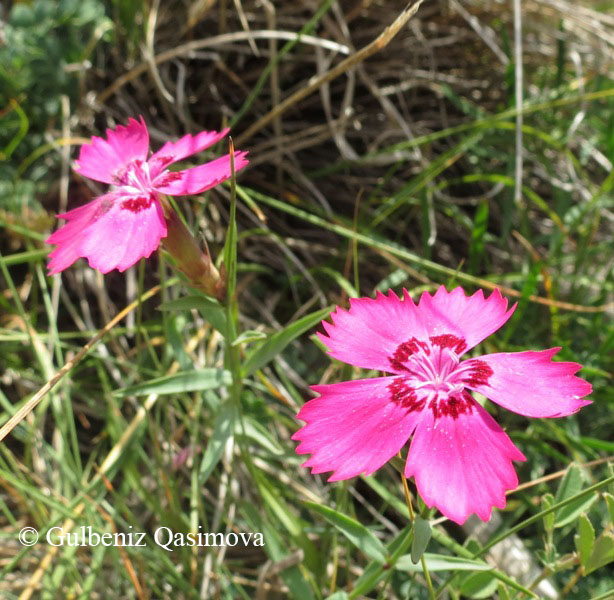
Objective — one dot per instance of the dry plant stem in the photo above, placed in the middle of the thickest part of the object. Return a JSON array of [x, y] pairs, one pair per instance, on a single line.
[[274, 84], [46, 562], [539, 480], [104, 468], [212, 42], [412, 518], [110, 460], [375, 46], [245, 25], [31, 404], [433, 266], [106, 465], [558, 475]]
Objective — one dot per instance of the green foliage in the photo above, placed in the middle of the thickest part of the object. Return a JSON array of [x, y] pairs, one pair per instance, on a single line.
[[46, 49], [182, 416]]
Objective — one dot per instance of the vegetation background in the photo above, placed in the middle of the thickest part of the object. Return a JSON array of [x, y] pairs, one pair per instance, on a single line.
[[433, 161]]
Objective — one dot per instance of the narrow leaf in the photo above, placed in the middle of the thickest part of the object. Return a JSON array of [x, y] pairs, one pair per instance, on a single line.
[[254, 430], [210, 309], [277, 549], [441, 562], [422, 535], [187, 381], [480, 225], [355, 532], [249, 336], [603, 552], [609, 500], [222, 430], [585, 539], [503, 592], [478, 586], [548, 502], [376, 571], [571, 484], [278, 341]]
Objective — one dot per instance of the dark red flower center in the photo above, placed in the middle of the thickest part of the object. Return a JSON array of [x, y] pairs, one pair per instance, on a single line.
[[137, 203], [433, 376]]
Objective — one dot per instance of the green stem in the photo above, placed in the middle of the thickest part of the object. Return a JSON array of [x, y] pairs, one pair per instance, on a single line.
[[233, 353], [427, 575]]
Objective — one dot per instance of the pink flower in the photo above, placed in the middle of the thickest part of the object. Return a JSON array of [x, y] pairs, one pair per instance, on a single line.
[[460, 458], [127, 223]]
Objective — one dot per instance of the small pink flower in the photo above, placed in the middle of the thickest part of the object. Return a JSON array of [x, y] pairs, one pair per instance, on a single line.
[[117, 229], [460, 458]]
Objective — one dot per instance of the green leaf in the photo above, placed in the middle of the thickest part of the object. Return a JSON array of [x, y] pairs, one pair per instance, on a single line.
[[422, 535], [376, 571], [503, 592], [284, 515], [358, 534], [571, 484], [254, 430], [230, 246], [585, 539], [609, 500], [278, 341], [441, 562], [478, 586], [548, 502], [210, 309], [277, 548], [476, 247], [187, 381], [341, 595], [341, 281], [249, 336], [603, 552], [222, 430]]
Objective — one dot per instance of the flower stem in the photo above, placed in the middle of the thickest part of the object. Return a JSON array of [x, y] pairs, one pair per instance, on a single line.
[[233, 353], [412, 518]]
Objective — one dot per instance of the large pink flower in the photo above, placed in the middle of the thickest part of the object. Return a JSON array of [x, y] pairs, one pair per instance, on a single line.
[[117, 229], [460, 458]]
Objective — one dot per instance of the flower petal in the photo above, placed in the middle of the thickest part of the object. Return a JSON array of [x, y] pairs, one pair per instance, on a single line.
[[130, 230], [69, 235], [462, 463], [370, 332], [186, 146], [471, 319], [530, 384], [354, 427], [102, 159], [198, 179]]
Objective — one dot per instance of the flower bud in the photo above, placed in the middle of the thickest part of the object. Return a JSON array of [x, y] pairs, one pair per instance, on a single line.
[[195, 264]]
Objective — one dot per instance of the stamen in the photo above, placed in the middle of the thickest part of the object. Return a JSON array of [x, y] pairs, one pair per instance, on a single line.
[[404, 351], [435, 377]]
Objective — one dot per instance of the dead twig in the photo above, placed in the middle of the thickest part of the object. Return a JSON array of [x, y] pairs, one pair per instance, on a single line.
[[376, 45]]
